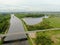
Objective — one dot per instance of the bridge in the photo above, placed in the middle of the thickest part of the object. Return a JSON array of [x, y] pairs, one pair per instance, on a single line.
[[2, 36], [27, 32]]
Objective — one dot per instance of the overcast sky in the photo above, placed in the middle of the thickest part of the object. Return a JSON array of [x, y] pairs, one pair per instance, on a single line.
[[29, 5]]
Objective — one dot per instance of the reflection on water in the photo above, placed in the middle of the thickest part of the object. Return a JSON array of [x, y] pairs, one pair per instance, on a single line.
[[15, 26], [32, 21]]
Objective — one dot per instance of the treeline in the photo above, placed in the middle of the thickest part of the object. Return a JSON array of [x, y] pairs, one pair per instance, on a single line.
[[4, 22], [29, 15]]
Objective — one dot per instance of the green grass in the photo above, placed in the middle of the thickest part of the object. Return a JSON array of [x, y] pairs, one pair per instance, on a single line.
[[47, 23], [4, 22], [29, 40], [54, 21], [1, 42], [24, 25], [51, 34]]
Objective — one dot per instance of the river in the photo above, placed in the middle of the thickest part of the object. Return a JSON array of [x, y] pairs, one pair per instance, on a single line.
[[16, 26]]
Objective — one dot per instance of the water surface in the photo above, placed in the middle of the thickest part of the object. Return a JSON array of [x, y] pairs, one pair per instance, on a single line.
[[32, 21], [15, 27]]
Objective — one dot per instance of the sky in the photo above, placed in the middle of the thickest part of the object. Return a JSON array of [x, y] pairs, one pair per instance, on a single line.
[[29, 5]]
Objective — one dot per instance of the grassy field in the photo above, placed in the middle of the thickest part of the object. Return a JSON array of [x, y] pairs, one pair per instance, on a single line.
[[47, 23], [50, 38], [46, 37], [54, 21]]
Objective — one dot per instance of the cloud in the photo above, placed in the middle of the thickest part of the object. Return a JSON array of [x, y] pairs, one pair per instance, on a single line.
[[30, 5]]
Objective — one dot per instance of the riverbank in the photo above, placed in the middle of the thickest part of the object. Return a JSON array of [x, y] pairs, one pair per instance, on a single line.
[[4, 25], [16, 24], [49, 37]]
